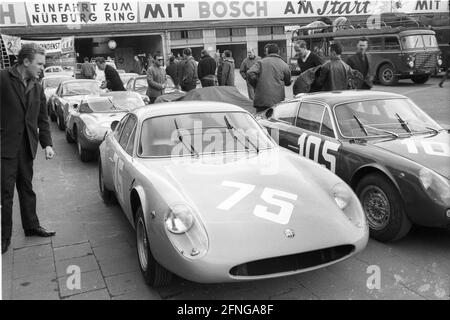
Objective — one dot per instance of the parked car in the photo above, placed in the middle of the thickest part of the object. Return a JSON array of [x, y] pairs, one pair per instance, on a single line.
[[70, 93], [139, 84], [58, 70], [50, 84], [126, 76], [385, 147], [87, 123], [221, 212]]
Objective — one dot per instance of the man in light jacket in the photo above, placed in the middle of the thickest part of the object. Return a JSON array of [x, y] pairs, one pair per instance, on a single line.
[[245, 66], [269, 76], [156, 79]]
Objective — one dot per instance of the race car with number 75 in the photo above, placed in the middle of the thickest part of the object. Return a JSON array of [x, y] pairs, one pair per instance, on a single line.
[[385, 147], [214, 199]]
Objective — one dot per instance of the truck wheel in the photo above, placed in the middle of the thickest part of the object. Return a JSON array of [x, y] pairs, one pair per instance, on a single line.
[[383, 207], [386, 75]]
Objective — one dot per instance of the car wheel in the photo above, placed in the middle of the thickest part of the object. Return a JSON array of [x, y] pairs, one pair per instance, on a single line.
[[60, 122], [154, 274], [386, 75], [85, 155], [420, 79], [69, 138], [383, 207], [51, 114], [106, 194]]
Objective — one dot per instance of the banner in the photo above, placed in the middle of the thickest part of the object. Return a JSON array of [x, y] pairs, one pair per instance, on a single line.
[[67, 44], [81, 12], [13, 14], [12, 44], [168, 11]]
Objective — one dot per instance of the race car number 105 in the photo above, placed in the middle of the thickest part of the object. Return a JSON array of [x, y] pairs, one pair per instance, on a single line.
[[244, 189]]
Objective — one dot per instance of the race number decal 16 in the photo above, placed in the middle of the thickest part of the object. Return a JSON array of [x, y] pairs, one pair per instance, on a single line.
[[244, 189]]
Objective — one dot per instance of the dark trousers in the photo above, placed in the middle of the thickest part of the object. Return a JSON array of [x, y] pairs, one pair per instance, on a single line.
[[18, 170], [261, 109], [208, 82], [152, 99], [188, 86], [445, 76]]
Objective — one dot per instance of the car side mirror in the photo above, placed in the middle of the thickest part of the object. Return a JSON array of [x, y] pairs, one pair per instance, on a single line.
[[114, 125]]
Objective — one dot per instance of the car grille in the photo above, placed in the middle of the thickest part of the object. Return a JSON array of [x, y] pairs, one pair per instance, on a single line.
[[294, 262], [426, 60]]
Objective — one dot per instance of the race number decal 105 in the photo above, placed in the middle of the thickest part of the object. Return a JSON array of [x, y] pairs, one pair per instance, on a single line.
[[321, 151], [268, 194]]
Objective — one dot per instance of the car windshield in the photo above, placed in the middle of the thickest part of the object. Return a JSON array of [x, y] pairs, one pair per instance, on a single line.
[[53, 82], [419, 41], [116, 101], [382, 117], [126, 76], [141, 85], [81, 88], [201, 133]]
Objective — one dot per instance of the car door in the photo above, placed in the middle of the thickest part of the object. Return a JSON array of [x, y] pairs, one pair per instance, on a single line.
[[122, 164], [281, 122], [315, 135]]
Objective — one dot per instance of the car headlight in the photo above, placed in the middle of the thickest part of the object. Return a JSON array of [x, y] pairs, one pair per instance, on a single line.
[[437, 187], [341, 195], [347, 201], [179, 219], [88, 132], [411, 61]]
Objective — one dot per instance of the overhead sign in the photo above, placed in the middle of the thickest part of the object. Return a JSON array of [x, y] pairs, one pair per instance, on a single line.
[[81, 12]]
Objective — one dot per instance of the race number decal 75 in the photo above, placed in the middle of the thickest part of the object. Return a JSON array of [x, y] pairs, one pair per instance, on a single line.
[[244, 189]]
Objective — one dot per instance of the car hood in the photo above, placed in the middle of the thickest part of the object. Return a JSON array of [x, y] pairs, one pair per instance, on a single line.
[[103, 119], [431, 151], [270, 181]]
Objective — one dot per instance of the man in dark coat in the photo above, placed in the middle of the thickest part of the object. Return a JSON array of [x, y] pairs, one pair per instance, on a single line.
[[173, 70], [227, 74], [24, 123], [207, 70], [361, 61], [334, 74], [189, 73], [112, 78]]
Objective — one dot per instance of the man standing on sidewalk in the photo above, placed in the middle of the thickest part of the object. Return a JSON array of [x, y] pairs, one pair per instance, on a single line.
[[245, 66], [361, 61], [189, 74], [24, 122]]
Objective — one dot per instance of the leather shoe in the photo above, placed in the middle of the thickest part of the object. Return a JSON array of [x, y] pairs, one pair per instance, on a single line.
[[39, 232], [5, 245]]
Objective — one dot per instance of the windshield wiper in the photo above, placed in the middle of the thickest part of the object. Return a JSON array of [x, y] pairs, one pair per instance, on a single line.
[[436, 131], [364, 126], [403, 123], [232, 129], [180, 137]]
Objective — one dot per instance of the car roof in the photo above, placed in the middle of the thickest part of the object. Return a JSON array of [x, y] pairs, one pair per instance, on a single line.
[[79, 80], [333, 98], [181, 107]]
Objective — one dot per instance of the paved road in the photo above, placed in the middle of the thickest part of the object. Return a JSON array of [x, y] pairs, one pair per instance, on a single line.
[[99, 240]]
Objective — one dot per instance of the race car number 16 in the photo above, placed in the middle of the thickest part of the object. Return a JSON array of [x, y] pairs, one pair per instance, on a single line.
[[244, 189]]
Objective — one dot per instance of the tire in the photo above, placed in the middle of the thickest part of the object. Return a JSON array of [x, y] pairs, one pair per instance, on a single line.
[[420, 79], [383, 208], [69, 138], [386, 75], [60, 122], [154, 274], [106, 194], [50, 113], [85, 155]]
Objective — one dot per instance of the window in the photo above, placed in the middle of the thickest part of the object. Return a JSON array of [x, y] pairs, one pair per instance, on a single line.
[[264, 31], [286, 112], [119, 127], [310, 117], [348, 44], [391, 43], [130, 145], [278, 30], [238, 32], [327, 127], [223, 33], [375, 43], [127, 130]]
